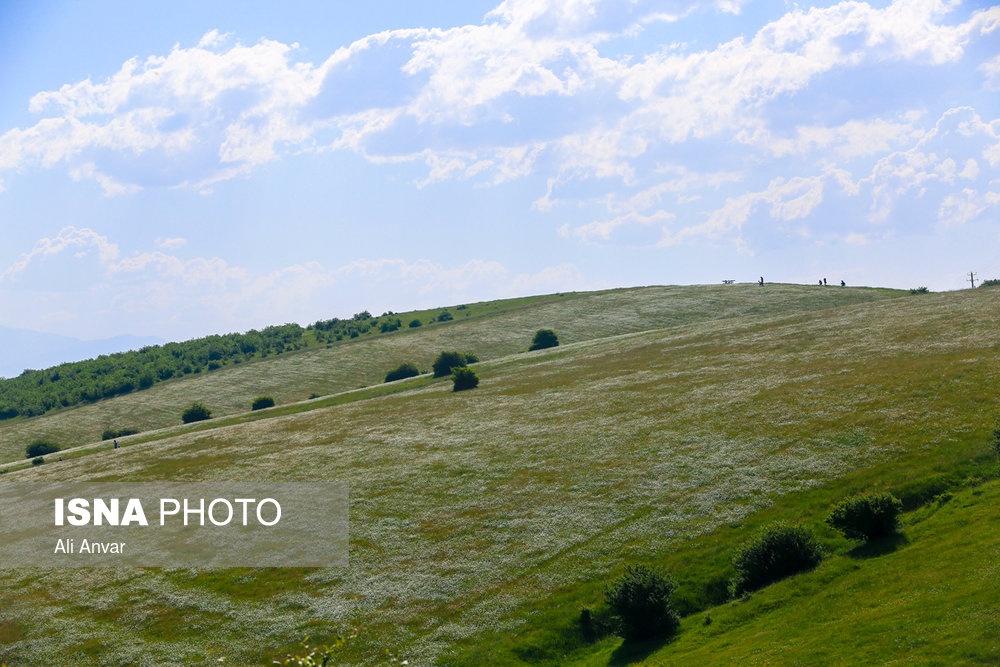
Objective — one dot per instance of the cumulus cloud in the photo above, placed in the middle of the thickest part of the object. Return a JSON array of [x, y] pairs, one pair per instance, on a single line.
[[178, 297], [170, 243], [533, 77]]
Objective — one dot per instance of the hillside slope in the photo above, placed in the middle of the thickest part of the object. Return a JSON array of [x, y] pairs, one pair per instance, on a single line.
[[930, 600], [469, 510], [494, 330]]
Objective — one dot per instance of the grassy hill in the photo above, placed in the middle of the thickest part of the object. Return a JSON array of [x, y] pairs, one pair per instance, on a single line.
[[928, 598], [671, 423], [491, 330]]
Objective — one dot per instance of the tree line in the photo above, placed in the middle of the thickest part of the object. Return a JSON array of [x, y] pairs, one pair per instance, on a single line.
[[35, 392]]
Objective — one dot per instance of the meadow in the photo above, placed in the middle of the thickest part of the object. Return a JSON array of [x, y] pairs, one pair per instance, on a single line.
[[669, 423], [491, 330]]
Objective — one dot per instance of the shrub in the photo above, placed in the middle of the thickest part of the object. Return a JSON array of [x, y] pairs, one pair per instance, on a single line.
[[464, 378], [40, 448], [446, 361], [867, 517], [196, 413], [391, 324], [414, 323], [110, 433], [37, 461], [262, 402], [778, 551], [402, 371], [919, 290], [471, 358], [444, 316], [992, 282], [544, 338], [640, 602]]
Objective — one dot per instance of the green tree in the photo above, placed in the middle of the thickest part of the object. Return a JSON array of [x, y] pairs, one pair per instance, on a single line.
[[405, 370], [40, 448], [640, 601], [544, 338], [262, 402], [779, 550], [197, 412], [446, 361], [464, 378], [867, 517]]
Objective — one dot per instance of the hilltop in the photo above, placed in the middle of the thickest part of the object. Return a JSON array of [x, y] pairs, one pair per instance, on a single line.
[[669, 423]]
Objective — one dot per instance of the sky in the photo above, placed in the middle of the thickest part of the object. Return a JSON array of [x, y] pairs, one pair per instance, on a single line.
[[185, 168]]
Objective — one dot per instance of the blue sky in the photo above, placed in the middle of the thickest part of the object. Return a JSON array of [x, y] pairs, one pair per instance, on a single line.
[[177, 169]]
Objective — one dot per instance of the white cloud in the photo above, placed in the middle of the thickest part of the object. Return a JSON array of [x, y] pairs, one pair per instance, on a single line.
[[181, 297], [991, 70], [83, 241], [533, 76], [170, 243]]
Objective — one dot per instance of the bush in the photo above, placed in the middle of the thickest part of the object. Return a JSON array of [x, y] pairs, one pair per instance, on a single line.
[[391, 324], [464, 378], [544, 338], [402, 371], [919, 290], [37, 461], [444, 316], [196, 413], [262, 402], [40, 448], [867, 517], [992, 282], [414, 323], [778, 551], [640, 602], [111, 433], [471, 358], [446, 361]]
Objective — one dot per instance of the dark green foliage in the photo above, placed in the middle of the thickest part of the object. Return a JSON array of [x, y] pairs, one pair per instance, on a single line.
[[867, 517], [262, 402], [37, 461], [390, 324], [414, 323], [640, 600], [919, 290], [544, 338], [111, 433], [471, 358], [464, 378], [444, 316], [446, 361], [779, 550], [406, 370], [992, 282], [196, 413], [40, 448], [35, 392]]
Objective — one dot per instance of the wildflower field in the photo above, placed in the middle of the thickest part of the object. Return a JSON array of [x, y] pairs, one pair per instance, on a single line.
[[667, 422]]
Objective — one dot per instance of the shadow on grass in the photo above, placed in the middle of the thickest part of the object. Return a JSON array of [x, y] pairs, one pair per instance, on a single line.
[[880, 547], [631, 652]]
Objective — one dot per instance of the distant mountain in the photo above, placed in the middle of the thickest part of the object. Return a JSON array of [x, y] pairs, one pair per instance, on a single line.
[[21, 349]]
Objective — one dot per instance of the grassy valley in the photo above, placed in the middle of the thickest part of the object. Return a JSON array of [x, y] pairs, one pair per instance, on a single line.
[[668, 424]]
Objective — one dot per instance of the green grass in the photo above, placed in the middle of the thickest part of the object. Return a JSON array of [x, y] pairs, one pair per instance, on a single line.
[[929, 597], [482, 521], [491, 330]]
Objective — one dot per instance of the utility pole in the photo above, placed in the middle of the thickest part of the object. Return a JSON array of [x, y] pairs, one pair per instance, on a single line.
[[972, 278]]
